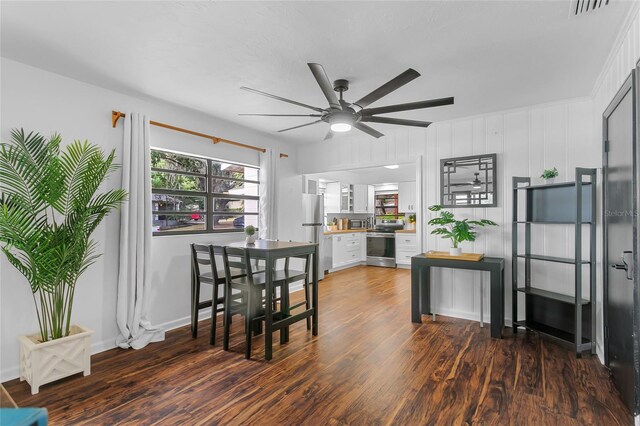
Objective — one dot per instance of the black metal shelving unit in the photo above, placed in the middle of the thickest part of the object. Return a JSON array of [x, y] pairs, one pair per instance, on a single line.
[[569, 318]]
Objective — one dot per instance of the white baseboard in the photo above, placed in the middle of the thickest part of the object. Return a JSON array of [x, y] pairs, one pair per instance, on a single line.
[[351, 265], [471, 316]]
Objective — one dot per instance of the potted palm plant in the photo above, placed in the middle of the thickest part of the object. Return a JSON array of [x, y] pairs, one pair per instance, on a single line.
[[49, 208], [457, 231]]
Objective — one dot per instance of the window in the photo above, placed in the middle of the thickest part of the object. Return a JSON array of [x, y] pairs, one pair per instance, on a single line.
[[199, 195]]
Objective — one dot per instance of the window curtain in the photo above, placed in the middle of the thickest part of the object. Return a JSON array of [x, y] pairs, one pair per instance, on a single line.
[[268, 228], [134, 276]]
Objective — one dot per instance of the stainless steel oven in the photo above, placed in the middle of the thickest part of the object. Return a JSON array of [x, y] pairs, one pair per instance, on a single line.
[[381, 249]]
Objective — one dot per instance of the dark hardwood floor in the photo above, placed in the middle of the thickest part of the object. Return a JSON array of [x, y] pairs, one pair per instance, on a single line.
[[368, 365]]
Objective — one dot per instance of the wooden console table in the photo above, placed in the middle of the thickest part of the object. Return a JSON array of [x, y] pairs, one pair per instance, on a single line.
[[421, 291]]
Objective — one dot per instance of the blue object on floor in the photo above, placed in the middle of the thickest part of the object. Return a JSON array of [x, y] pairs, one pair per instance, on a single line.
[[23, 416]]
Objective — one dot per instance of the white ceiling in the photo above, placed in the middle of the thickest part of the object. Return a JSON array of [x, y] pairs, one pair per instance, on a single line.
[[489, 55]]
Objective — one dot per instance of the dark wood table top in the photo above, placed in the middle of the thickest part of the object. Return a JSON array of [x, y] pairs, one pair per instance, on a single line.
[[271, 245], [484, 264]]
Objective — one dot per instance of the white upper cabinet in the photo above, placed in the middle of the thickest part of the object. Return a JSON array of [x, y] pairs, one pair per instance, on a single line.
[[363, 199], [346, 198], [371, 199], [338, 198], [407, 197], [332, 198]]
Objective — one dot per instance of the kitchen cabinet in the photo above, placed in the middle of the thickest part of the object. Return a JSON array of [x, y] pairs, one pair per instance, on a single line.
[[346, 198], [338, 197], [348, 249], [363, 199], [406, 247], [371, 199], [407, 197], [332, 197]]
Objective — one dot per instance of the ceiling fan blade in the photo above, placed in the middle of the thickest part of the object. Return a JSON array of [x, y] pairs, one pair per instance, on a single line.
[[406, 107], [388, 87], [284, 115], [329, 135], [399, 121], [369, 130], [302, 125], [325, 84], [248, 89]]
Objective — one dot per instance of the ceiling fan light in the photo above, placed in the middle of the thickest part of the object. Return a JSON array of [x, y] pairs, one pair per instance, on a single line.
[[392, 166], [477, 183], [340, 127]]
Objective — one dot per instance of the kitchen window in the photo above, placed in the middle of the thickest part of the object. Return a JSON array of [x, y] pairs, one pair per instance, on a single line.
[[192, 195]]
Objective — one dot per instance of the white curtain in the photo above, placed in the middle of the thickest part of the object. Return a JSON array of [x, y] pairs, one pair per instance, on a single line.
[[134, 277], [268, 228]]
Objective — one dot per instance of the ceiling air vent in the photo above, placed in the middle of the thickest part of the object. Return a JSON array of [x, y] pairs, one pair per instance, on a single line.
[[580, 7]]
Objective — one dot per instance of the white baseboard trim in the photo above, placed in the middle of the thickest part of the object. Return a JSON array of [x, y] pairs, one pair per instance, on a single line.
[[471, 316], [351, 265]]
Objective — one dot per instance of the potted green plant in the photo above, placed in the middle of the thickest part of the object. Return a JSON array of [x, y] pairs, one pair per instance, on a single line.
[[411, 221], [457, 231], [549, 175], [250, 231], [49, 208]]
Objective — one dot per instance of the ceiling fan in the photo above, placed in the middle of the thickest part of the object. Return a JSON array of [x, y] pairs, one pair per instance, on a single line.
[[342, 115], [475, 183]]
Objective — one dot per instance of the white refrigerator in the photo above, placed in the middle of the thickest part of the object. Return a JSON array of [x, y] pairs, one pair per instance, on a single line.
[[312, 223]]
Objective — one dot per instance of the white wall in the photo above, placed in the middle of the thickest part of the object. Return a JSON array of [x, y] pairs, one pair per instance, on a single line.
[[45, 102], [624, 55]]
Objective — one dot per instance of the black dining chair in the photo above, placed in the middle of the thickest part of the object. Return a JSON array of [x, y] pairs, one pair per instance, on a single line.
[[253, 286], [204, 254]]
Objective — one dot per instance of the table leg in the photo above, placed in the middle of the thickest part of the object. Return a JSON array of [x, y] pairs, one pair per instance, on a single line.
[[314, 290], [481, 299], [415, 292], [268, 317], [425, 291], [497, 302]]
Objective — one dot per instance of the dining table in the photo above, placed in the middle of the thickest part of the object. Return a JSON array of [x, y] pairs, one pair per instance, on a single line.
[[270, 251]]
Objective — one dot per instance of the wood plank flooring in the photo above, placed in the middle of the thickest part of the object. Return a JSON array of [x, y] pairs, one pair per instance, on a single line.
[[369, 365]]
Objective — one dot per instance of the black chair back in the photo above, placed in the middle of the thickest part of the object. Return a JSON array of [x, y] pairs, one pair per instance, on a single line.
[[205, 254], [305, 257], [238, 258]]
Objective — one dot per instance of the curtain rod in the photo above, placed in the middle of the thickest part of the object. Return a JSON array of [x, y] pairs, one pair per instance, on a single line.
[[116, 115]]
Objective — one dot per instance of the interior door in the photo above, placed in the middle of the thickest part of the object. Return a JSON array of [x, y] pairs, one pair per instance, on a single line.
[[620, 233]]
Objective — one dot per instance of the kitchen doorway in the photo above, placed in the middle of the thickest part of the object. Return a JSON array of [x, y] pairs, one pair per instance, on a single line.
[[397, 194]]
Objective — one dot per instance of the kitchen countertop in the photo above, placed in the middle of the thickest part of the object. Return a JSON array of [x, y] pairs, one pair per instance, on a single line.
[[406, 231], [344, 231]]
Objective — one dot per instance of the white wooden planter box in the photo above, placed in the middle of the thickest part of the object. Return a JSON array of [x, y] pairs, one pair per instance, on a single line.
[[42, 363]]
